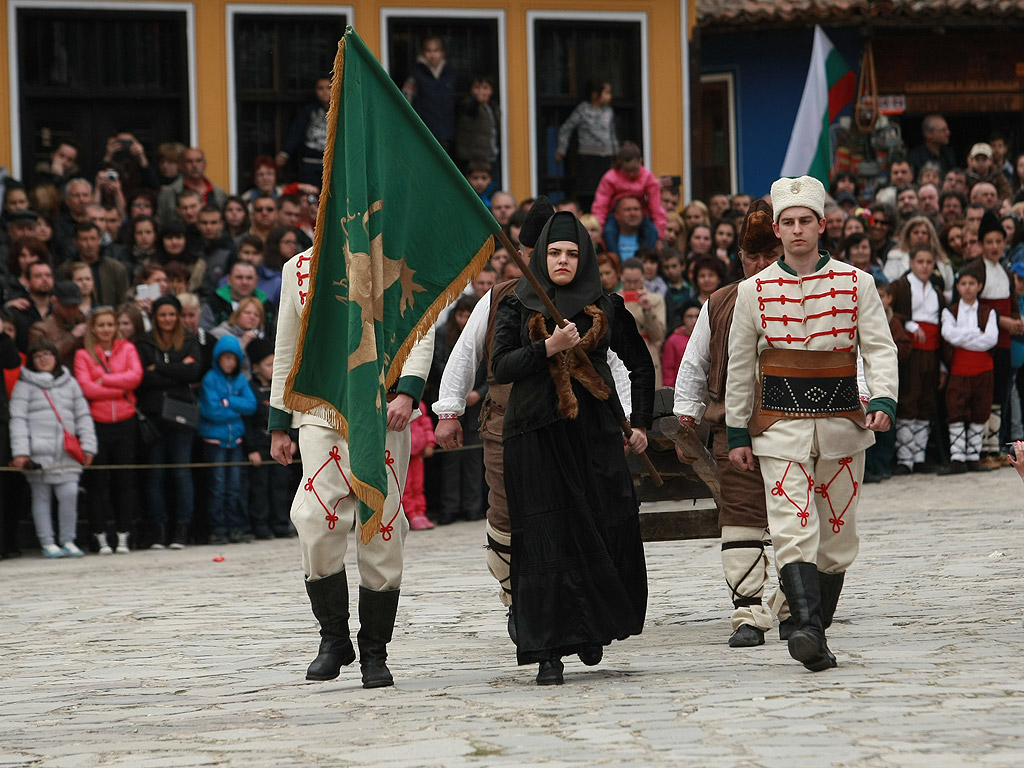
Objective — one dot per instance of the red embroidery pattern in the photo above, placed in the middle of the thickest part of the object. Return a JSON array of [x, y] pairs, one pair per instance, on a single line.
[[822, 490], [832, 275], [301, 276], [334, 457], [788, 338], [835, 333], [785, 320], [779, 281], [779, 490], [835, 312], [763, 300], [387, 530], [833, 293]]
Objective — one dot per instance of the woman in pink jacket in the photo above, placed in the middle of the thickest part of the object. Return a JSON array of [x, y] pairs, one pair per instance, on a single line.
[[628, 178], [108, 371]]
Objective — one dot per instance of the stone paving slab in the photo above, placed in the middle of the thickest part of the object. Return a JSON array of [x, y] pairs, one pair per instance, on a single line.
[[166, 659]]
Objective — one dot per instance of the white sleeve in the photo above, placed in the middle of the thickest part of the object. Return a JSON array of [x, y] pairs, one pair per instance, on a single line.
[[620, 375], [691, 386], [288, 320], [460, 371]]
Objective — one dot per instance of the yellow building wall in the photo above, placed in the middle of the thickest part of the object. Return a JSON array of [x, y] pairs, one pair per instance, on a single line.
[[664, 30]]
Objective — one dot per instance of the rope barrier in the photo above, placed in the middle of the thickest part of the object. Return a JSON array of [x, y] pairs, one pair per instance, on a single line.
[[194, 464]]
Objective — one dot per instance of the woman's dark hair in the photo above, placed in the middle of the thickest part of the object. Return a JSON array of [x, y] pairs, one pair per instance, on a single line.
[[245, 222], [272, 248], [139, 220], [731, 224], [135, 315], [451, 328], [714, 264], [848, 176], [43, 344], [849, 242], [34, 246]]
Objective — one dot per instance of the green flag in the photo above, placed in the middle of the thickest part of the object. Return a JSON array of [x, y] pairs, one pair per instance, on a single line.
[[399, 234]]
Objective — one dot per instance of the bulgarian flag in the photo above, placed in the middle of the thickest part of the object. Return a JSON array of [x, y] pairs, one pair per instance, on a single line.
[[830, 88], [399, 234]]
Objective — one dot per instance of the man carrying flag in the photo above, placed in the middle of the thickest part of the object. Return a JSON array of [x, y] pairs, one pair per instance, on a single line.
[[399, 233]]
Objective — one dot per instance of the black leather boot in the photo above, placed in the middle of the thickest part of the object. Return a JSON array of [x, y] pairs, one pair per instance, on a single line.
[[329, 600], [807, 641], [829, 585], [377, 611]]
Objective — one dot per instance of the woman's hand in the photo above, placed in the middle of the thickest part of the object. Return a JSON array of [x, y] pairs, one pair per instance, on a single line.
[[87, 459], [562, 339], [638, 440], [20, 462]]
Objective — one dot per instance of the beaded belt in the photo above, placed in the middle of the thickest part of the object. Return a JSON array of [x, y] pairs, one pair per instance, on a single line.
[[805, 384]]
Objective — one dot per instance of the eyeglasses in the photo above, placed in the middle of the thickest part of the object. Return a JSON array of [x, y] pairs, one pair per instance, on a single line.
[[265, 210], [42, 353]]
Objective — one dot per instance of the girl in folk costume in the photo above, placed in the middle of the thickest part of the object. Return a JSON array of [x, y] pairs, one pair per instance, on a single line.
[[46, 405], [918, 304], [578, 575]]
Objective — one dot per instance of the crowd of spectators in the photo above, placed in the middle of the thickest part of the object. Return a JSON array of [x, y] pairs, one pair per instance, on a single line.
[[149, 294]]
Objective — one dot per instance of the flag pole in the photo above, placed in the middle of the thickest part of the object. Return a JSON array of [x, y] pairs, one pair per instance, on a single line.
[[549, 305]]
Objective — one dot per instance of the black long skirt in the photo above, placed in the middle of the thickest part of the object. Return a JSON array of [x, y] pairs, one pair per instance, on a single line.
[[578, 572]]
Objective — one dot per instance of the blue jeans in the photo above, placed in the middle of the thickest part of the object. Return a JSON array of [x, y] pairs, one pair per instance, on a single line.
[[173, 447], [225, 509]]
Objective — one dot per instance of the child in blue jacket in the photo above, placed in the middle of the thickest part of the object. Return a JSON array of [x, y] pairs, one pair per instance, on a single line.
[[225, 397]]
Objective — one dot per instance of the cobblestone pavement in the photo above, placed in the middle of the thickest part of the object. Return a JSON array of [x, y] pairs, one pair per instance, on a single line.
[[171, 659]]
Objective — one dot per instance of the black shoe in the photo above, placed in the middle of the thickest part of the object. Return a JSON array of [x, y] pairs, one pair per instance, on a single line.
[[746, 636], [901, 469], [870, 477], [329, 599], [830, 585], [953, 468], [377, 611], [807, 641], [159, 536], [550, 672], [786, 628], [925, 469], [591, 655], [284, 533], [978, 466], [264, 534], [512, 627], [217, 539]]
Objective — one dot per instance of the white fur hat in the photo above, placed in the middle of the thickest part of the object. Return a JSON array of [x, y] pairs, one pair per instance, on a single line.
[[805, 191]]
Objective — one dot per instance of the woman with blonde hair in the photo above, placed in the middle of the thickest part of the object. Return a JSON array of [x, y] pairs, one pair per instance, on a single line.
[[676, 232], [919, 230], [246, 323], [108, 370]]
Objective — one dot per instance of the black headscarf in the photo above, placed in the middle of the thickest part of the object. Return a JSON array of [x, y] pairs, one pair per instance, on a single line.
[[586, 285]]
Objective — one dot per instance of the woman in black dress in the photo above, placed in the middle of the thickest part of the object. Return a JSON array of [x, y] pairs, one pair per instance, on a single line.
[[579, 579]]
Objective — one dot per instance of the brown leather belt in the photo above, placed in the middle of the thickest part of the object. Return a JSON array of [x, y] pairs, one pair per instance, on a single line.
[[805, 384]]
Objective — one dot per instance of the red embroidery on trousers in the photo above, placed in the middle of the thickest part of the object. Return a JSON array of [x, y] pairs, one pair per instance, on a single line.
[[802, 512], [823, 491], [386, 530], [333, 457]]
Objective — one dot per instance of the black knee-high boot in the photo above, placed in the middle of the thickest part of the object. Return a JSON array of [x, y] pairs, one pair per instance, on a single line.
[[807, 641], [830, 585], [377, 611], [329, 599]]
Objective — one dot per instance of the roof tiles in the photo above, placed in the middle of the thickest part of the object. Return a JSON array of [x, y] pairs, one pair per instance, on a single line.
[[732, 13]]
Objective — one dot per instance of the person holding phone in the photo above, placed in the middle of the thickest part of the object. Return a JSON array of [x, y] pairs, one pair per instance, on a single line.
[[647, 308]]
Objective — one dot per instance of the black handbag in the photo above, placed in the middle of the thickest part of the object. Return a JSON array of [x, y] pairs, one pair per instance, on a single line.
[[179, 413], [148, 433]]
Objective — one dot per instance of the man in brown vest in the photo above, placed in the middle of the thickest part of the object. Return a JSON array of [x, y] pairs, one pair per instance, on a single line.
[[700, 393]]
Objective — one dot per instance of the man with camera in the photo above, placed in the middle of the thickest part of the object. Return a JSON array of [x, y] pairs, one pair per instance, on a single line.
[[194, 177], [647, 308], [109, 276]]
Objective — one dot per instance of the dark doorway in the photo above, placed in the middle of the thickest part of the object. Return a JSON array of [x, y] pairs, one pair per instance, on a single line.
[[278, 59], [85, 75]]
